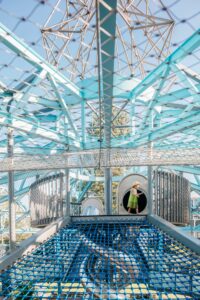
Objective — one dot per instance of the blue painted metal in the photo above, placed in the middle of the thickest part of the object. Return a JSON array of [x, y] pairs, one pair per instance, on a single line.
[[187, 47], [22, 175], [11, 40], [164, 74], [181, 145], [173, 96], [84, 191], [121, 87], [188, 169], [32, 128], [197, 178], [195, 187], [17, 139], [63, 105], [107, 46], [108, 260], [193, 91], [191, 120], [107, 18], [17, 193]]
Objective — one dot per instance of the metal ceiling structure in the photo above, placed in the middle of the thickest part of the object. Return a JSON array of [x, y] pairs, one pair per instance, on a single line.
[[47, 103], [105, 77]]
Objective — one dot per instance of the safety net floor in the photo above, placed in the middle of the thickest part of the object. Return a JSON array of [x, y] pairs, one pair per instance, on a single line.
[[124, 260]]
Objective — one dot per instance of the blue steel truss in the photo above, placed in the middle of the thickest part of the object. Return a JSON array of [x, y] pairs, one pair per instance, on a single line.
[[183, 115]]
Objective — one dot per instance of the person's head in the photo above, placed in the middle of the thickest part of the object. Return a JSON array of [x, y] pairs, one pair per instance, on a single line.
[[136, 185]]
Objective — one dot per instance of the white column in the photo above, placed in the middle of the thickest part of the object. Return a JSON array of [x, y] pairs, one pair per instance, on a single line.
[[108, 191], [67, 196], [150, 190], [83, 121], [150, 173], [12, 212]]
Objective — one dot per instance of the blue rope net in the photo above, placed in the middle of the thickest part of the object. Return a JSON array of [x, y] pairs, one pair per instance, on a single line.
[[106, 261]]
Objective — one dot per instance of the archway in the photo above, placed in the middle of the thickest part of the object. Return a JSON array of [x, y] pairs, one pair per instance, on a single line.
[[142, 201]]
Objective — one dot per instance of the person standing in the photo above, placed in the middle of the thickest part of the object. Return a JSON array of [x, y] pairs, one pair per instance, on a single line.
[[133, 198]]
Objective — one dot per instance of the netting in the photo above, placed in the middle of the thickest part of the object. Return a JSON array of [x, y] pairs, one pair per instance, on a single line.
[[104, 158], [123, 260]]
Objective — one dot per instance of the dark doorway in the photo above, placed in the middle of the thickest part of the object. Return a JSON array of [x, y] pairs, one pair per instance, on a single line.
[[142, 201]]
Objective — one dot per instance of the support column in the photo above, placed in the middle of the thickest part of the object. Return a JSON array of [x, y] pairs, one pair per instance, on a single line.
[[150, 190], [83, 121], [108, 191], [150, 171], [12, 212], [67, 196], [60, 214], [133, 115]]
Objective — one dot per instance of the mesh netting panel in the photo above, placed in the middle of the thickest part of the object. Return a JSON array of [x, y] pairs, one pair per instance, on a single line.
[[106, 261]]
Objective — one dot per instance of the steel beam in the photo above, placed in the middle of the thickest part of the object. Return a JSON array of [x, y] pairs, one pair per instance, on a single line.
[[84, 191], [9, 39], [21, 176], [17, 193], [34, 129], [192, 89], [188, 169], [195, 187], [191, 120], [30, 99], [188, 46], [64, 106], [17, 139], [167, 144], [161, 83], [174, 96], [46, 149], [23, 149], [107, 19]]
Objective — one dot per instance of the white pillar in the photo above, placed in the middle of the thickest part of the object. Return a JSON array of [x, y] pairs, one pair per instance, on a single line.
[[83, 120], [67, 196], [12, 212], [150, 190], [108, 191], [150, 172]]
